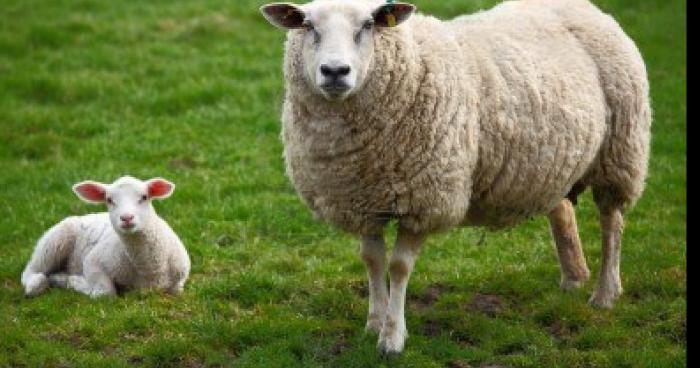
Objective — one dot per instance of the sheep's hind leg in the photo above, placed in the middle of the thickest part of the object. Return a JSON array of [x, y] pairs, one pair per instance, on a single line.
[[574, 271], [403, 258], [51, 251], [34, 284], [609, 283], [59, 280], [373, 253]]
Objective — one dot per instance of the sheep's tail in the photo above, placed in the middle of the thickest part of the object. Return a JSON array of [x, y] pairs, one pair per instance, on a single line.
[[51, 252]]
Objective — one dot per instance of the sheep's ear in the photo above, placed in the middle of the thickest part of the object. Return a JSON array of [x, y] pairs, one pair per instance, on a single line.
[[393, 14], [159, 188], [91, 192], [283, 15]]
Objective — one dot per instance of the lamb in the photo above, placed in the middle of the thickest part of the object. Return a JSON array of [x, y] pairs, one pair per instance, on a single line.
[[129, 247], [484, 120]]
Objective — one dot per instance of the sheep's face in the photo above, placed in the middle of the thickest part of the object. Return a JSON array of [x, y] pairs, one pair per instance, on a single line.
[[128, 200], [338, 39]]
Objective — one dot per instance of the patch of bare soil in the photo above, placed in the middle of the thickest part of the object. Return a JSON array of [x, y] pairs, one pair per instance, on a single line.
[[486, 303]]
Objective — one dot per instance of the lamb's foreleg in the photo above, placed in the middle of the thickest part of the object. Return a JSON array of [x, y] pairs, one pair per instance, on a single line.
[[99, 286], [403, 258], [373, 253], [562, 221], [94, 283]]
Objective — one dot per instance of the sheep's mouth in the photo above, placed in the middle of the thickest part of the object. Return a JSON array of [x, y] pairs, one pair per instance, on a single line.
[[128, 227], [335, 90]]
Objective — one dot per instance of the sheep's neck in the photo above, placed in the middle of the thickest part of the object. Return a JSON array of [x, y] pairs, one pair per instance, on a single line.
[[143, 248]]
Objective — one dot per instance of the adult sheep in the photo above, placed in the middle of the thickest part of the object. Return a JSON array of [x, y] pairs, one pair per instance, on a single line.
[[484, 120]]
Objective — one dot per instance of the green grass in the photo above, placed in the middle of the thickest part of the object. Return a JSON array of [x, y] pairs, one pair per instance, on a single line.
[[191, 90]]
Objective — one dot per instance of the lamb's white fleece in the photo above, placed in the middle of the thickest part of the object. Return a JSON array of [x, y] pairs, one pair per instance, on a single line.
[[87, 254]]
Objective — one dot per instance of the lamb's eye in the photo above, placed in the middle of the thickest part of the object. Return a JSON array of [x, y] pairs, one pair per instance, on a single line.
[[368, 25], [110, 201], [144, 198]]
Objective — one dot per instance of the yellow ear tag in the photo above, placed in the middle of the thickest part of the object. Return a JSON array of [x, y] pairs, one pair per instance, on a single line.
[[390, 20]]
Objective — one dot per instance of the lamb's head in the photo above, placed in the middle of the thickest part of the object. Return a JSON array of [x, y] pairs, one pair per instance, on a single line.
[[128, 200], [338, 43]]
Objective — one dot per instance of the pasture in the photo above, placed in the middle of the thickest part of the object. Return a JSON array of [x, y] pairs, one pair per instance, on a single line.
[[191, 91]]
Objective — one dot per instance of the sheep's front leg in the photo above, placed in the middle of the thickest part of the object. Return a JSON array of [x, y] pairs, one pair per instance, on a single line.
[[79, 284], [574, 271], [95, 282], [406, 250], [373, 253], [609, 284], [100, 284]]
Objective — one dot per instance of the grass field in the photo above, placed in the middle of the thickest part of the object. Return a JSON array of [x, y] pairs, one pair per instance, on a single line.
[[191, 91]]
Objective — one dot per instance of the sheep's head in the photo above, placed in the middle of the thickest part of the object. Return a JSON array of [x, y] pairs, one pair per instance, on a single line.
[[338, 45], [128, 200]]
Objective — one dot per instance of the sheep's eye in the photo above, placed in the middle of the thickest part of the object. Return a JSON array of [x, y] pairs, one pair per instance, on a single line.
[[144, 198], [312, 31], [366, 26], [110, 201], [308, 26]]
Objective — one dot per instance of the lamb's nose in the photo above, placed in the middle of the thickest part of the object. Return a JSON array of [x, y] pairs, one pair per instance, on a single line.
[[335, 71], [126, 218]]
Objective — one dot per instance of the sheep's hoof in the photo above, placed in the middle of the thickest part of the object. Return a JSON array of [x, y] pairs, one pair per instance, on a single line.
[[391, 344], [604, 299], [37, 284], [572, 282], [571, 285], [601, 302], [175, 291]]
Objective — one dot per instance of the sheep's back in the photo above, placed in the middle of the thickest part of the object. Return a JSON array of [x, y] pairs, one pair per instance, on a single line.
[[542, 111]]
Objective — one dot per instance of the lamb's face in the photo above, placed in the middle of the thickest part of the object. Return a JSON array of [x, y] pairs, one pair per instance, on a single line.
[[128, 200], [338, 39]]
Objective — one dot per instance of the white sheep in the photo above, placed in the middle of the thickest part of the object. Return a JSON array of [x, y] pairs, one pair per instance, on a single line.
[[486, 120], [129, 247]]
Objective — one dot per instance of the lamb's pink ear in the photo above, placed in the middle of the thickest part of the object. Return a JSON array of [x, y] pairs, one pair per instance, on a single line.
[[91, 192], [283, 15], [391, 15], [159, 188]]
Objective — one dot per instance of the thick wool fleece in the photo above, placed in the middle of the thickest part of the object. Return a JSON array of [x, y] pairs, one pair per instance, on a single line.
[[484, 120]]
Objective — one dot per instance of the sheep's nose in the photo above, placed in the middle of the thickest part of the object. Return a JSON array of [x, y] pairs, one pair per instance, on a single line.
[[126, 218], [335, 71]]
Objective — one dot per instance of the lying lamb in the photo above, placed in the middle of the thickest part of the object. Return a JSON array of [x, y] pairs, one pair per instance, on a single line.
[[485, 120], [128, 247]]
